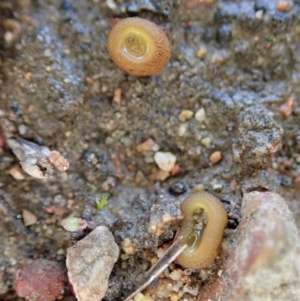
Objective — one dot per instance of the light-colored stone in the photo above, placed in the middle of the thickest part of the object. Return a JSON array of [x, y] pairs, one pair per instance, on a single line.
[[147, 145], [182, 129], [36, 160], [90, 262], [200, 115], [117, 96], [16, 172], [127, 246], [141, 297], [165, 160], [185, 115], [206, 141], [201, 52], [28, 217]]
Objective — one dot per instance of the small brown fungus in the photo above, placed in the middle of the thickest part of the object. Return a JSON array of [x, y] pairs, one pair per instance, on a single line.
[[203, 224]]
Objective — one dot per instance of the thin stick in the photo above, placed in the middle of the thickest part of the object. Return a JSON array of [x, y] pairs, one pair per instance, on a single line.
[[19, 227], [171, 254]]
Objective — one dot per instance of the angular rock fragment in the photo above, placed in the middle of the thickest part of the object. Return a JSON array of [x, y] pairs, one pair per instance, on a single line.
[[264, 264], [37, 161], [165, 160], [163, 217], [42, 280], [28, 217], [258, 136], [263, 254], [90, 262]]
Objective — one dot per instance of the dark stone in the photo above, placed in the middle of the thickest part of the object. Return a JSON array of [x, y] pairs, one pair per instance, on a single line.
[[224, 34], [178, 188]]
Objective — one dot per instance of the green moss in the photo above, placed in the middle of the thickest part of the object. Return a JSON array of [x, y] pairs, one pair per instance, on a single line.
[[102, 203]]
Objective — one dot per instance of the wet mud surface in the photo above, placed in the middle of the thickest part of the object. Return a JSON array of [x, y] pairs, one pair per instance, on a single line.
[[234, 63]]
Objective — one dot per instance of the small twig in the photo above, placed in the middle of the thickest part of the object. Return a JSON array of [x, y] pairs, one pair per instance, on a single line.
[[171, 254], [11, 215]]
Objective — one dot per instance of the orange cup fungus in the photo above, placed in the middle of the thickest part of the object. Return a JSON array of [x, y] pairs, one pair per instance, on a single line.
[[138, 46]]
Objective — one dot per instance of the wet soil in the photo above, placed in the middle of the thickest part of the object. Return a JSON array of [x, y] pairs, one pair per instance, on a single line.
[[57, 89]]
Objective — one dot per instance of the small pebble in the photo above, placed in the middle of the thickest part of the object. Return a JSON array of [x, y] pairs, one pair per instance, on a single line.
[[198, 188], [185, 115], [283, 6], [177, 286], [200, 115], [174, 297], [178, 188], [286, 109], [16, 172], [165, 160], [175, 170], [58, 161], [169, 286], [60, 252], [182, 129], [203, 275], [188, 272], [259, 14], [22, 128], [28, 75], [192, 289], [176, 274], [141, 297], [217, 187], [9, 37], [47, 53], [148, 157], [117, 96], [220, 57], [111, 4], [206, 141], [160, 252], [127, 246], [147, 145], [140, 178], [215, 157], [160, 175], [28, 217], [48, 68], [201, 53], [108, 184], [59, 211]]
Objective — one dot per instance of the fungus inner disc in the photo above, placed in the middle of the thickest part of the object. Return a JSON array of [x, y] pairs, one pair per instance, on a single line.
[[136, 45], [194, 239]]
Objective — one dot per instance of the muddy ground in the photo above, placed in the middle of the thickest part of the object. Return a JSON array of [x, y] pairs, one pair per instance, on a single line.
[[234, 59]]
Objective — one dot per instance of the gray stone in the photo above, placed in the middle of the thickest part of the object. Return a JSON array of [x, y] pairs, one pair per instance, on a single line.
[[90, 262], [258, 136]]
